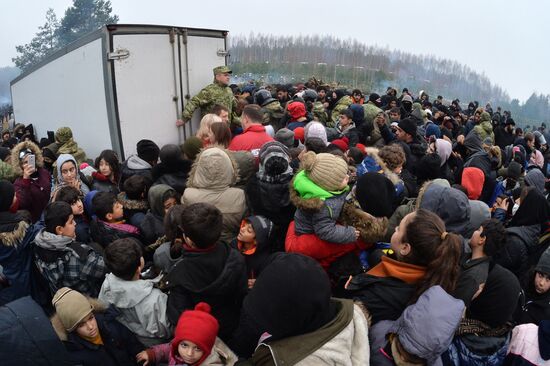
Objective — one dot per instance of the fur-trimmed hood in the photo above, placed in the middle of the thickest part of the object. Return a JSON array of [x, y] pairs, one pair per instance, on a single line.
[[310, 205], [214, 168], [132, 204], [16, 236], [14, 160], [373, 152], [98, 307], [307, 205], [371, 229]]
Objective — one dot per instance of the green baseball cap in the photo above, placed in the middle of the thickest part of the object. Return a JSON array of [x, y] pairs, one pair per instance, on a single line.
[[222, 70]]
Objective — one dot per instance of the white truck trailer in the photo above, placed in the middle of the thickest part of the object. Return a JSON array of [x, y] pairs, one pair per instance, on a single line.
[[120, 84]]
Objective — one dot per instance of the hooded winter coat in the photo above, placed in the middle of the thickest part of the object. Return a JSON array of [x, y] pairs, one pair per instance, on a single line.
[[256, 261], [16, 236], [172, 172], [33, 194], [425, 329], [449, 204], [342, 341], [152, 226], [134, 210], [485, 129], [534, 307], [216, 276], [210, 181], [479, 158], [120, 345], [142, 307], [316, 215], [220, 355], [329, 331], [66, 263], [135, 165], [64, 139]]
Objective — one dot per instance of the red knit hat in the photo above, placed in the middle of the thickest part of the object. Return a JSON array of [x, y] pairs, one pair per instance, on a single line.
[[363, 148], [296, 110], [473, 179], [342, 144], [196, 326], [299, 134]]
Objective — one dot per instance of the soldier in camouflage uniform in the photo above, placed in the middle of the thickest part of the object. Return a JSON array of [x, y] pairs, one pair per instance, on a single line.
[[216, 93], [271, 108], [320, 113], [342, 104]]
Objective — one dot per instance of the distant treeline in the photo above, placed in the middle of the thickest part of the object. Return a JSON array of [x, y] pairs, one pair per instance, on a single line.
[[289, 59]]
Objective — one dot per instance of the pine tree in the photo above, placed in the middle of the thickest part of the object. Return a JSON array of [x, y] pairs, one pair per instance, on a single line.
[[44, 43], [85, 16]]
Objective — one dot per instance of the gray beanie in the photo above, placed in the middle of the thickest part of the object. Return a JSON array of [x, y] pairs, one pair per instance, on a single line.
[[543, 265], [285, 137]]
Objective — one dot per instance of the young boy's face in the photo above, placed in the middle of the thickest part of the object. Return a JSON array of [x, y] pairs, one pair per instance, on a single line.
[[246, 234], [69, 229], [169, 203], [189, 352], [542, 282], [118, 211], [477, 237], [78, 207], [88, 327], [344, 120]]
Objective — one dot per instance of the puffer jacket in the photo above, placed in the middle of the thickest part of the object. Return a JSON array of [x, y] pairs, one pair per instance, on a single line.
[[135, 165], [317, 216], [211, 180], [142, 307]]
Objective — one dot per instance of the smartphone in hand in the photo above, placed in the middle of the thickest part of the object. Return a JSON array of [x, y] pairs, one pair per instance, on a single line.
[[31, 161]]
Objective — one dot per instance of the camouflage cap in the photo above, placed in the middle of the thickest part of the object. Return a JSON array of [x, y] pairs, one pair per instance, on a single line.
[[222, 70]]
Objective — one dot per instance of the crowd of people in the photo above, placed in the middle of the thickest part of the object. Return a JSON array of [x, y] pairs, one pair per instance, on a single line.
[[302, 225]]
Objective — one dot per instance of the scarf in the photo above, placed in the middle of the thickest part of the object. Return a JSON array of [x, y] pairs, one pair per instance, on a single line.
[[408, 273], [46, 240]]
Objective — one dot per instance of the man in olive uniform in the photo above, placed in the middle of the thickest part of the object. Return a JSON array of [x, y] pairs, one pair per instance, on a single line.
[[216, 93]]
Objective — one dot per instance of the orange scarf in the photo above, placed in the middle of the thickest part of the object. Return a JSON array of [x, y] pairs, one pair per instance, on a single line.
[[408, 273], [95, 340]]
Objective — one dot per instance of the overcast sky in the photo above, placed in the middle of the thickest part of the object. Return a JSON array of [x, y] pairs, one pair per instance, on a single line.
[[507, 40]]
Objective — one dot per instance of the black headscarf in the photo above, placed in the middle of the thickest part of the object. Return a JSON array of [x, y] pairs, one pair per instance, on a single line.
[[534, 209]]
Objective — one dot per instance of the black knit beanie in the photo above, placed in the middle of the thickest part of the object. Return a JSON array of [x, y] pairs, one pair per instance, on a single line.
[[375, 194], [7, 191], [148, 150]]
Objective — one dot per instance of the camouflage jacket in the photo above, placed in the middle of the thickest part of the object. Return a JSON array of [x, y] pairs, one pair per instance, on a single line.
[[319, 112], [273, 113], [208, 97], [342, 104]]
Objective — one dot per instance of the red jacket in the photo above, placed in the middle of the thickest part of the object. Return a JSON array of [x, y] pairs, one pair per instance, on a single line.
[[251, 140]]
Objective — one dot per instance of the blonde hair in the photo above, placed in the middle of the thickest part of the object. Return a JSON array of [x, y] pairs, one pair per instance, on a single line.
[[206, 122]]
